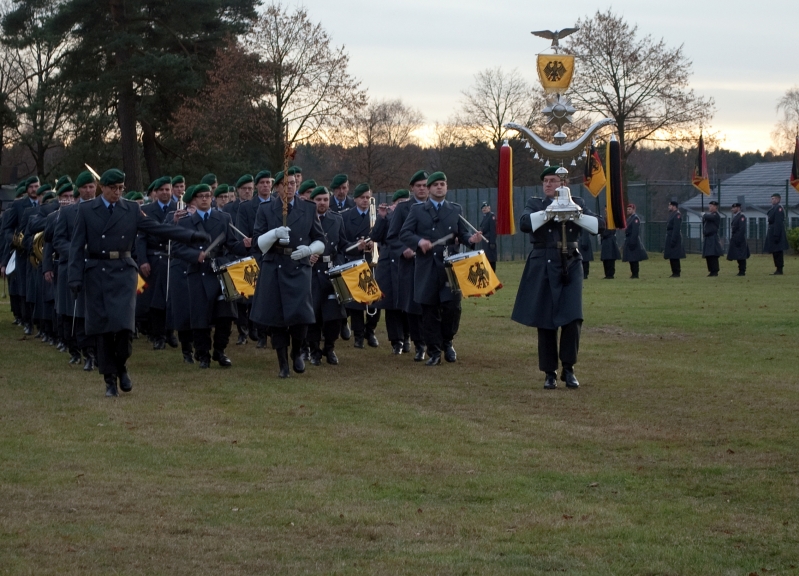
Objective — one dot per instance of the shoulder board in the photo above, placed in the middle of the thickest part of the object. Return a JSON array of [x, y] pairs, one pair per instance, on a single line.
[[455, 204]]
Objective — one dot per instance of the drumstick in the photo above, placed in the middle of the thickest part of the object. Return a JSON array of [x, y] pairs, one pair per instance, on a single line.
[[354, 246], [243, 235], [472, 228], [442, 240]]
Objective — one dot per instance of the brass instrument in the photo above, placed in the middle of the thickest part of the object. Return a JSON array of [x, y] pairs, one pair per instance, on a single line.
[[37, 250], [16, 240], [372, 220]]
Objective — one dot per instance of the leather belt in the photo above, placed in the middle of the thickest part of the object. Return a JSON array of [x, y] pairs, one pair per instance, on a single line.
[[279, 250], [569, 245], [112, 255]]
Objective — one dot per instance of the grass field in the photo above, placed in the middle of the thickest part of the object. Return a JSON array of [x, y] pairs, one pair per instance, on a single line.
[[679, 454]]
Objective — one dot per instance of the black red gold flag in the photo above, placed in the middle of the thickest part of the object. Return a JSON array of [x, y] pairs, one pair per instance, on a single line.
[[700, 178], [505, 221], [594, 175], [795, 166], [614, 190]]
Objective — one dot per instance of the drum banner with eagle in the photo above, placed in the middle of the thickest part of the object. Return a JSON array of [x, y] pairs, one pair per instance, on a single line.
[[362, 284], [475, 276]]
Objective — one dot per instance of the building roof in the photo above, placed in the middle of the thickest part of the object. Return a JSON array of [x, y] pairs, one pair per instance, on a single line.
[[757, 183]]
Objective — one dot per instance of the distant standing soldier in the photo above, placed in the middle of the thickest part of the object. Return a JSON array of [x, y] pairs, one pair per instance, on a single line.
[[776, 240], [712, 248], [610, 251], [739, 247], [586, 251], [634, 251], [488, 226], [673, 250]]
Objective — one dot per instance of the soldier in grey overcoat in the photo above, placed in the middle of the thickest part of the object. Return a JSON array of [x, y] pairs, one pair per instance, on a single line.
[[441, 307], [711, 245], [738, 249], [283, 303], [634, 251], [547, 300], [102, 269], [776, 242], [673, 250], [488, 227], [610, 250]]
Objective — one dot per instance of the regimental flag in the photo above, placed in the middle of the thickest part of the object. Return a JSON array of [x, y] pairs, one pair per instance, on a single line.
[[505, 221], [700, 179], [361, 283], [555, 72], [795, 166], [614, 190], [475, 276], [594, 175], [141, 285]]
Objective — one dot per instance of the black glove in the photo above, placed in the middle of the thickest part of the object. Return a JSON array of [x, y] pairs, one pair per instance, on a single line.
[[75, 287], [200, 238]]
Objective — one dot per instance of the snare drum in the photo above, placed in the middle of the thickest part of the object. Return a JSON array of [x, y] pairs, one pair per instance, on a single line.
[[238, 278], [354, 282], [470, 274]]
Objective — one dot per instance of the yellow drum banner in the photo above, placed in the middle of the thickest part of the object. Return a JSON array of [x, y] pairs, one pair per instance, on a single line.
[[362, 284], [555, 72], [140, 284], [475, 276], [244, 276]]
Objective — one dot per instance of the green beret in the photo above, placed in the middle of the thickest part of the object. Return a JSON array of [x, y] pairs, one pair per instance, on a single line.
[[75, 192], [401, 194], [420, 175], [162, 181], [295, 170], [31, 180], [278, 178], [151, 187], [194, 190], [63, 180], [246, 179], [307, 185], [66, 187], [84, 178], [360, 190], [210, 179], [50, 195], [20, 190], [338, 181], [319, 190], [133, 196], [189, 193], [261, 175], [43, 188], [549, 171], [436, 177], [111, 177], [178, 180], [221, 189]]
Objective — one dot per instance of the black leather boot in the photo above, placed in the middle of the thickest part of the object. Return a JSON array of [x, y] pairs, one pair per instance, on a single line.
[[110, 385], [283, 362], [298, 362]]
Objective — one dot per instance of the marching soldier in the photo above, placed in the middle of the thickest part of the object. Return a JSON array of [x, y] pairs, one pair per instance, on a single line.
[[101, 268], [50, 265], [208, 307], [178, 312], [711, 248], [152, 254], [7, 241], [340, 187], [305, 189], [586, 251], [42, 312], [610, 251], [328, 312], [634, 251], [739, 247], [72, 310], [282, 301], [427, 228], [178, 189], [357, 228], [33, 275], [488, 227], [407, 262], [776, 240], [387, 276], [548, 300], [244, 189], [221, 197], [673, 250], [211, 180]]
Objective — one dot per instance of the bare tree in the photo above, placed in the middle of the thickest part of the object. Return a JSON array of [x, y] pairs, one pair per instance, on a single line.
[[787, 127], [311, 86], [378, 136], [640, 82], [495, 98]]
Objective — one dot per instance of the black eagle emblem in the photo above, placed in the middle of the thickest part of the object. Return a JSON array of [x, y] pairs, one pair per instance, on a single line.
[[250, 275], [367, 283], [554, 71], [478, 276]]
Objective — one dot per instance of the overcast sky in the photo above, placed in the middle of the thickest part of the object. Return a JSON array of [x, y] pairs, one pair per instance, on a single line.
[[745, 54]]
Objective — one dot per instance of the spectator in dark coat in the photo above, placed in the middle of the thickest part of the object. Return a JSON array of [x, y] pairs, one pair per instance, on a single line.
[[673, 250], [634, 251], [776, 240], [712, 248], [739, 247]]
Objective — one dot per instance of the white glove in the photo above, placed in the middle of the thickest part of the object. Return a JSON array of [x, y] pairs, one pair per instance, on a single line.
[[267, 239], [301, 252], [590, 223], [538, 219]]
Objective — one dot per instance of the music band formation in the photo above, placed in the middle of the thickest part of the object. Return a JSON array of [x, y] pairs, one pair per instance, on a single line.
[[89, 269]]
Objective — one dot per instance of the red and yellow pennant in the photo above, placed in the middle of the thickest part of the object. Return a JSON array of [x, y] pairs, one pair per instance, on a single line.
[[505, 220], [700, 178], [795, 166]]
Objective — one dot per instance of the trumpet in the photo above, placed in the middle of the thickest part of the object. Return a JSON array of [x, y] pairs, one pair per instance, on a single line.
[[372, 220], [37, 250]]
